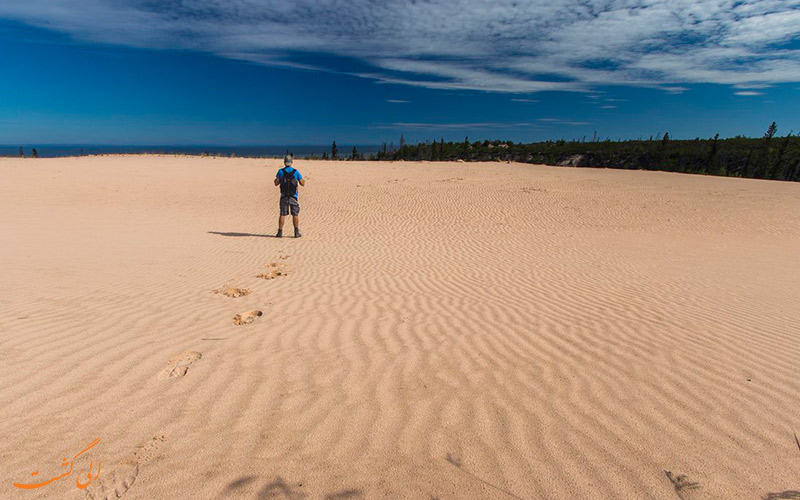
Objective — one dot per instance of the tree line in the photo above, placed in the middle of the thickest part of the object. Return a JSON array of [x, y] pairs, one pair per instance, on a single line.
[[355, 155], [766, 157]]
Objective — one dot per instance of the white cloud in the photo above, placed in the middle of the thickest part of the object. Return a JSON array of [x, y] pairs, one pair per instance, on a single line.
[[397, 101], [608, 107], [525, 100], [500, 45], [748, 93], [675, 90]]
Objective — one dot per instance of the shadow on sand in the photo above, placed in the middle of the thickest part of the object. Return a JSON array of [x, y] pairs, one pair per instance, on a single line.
[[783, 495], [242, 235], [279, 488]]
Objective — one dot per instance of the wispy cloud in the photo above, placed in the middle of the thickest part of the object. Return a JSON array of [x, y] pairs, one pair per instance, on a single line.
[[748, 93], [752, 86], [608, 107], [397, 101], [469, 125], [502, 46], [558, 121], [525, 100]]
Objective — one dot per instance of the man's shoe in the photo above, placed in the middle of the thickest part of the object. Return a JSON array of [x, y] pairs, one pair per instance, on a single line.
[[280, 233], [297, 233]]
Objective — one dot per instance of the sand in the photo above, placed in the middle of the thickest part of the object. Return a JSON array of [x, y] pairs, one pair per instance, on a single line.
[[442, 331]]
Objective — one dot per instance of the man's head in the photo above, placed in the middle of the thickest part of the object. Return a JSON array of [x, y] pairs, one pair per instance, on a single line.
[[287, 161]]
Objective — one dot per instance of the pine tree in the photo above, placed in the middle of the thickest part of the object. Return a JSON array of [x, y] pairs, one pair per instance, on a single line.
[[778, 170], [334, 151], [770, 132], [712, 157], [792, 172], [746, 170], [354, 155], [762, 164], [402, 141]]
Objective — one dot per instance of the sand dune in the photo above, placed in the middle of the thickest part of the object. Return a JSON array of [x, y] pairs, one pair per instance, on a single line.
[[441, 331]]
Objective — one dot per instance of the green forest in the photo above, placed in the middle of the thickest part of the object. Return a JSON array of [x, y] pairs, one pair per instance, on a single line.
[[767, 157]]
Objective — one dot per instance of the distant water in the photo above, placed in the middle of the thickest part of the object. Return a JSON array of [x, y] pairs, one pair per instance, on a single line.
[[52, 151]]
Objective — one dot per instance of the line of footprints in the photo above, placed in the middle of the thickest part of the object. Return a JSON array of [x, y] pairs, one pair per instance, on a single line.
[[117, 481], [179, 364]]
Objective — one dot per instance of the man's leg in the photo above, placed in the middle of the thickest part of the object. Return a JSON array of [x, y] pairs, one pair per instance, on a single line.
[[281, 220], [284, 211], [296, 222], [295, 208]]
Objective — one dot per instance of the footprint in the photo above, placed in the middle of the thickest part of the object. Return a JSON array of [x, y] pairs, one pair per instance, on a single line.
[[146, 452], [246, 318], [178, 365], [272, 274], [275, 269], [114, 483], [232, 292]]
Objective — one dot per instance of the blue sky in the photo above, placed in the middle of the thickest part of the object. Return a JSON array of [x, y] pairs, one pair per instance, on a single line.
[[235, 72]]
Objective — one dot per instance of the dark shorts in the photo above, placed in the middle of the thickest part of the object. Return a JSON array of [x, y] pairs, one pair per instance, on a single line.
[[289, 204]]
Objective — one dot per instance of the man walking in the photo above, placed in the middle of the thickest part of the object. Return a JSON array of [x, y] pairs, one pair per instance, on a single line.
[[288, 178]]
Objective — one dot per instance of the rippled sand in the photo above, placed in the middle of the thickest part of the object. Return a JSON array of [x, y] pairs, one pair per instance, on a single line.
[[441, 331]]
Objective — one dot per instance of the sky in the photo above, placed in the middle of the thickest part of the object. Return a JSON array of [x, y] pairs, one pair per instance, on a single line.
[[275, 72]]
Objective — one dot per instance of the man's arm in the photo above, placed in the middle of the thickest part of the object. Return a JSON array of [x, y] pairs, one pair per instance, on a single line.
[[277, 181], [302, 182]]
